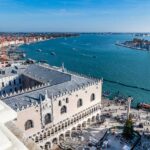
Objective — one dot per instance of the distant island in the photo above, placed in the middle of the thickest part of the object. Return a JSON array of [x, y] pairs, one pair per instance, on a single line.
[[142, 34], [139, 44]]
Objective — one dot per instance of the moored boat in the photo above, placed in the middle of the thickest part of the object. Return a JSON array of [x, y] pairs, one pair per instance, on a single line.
[[143, 105], [53, 53], [39, 50]]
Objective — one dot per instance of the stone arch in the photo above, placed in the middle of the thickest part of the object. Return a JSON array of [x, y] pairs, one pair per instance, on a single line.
[[48, 133], [63, 109], [59, 128], [47, 146], [79, 127], [36, 139], [66, 124], [61, 138], [47, 118], [84, 124], [73, 131], [90, 111], [44, 135], [93, 119], [88, 121], [28, 124], [63, 126], [82, 115], [72, 121], [67, 134], [55, 141], [86, 113], [56, 129], [41, 137], [97, 117], [52, 131]]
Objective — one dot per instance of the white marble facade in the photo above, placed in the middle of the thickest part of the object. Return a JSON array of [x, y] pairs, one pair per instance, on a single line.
[[47, 118]]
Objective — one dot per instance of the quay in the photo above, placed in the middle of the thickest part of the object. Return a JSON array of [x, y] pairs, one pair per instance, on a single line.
[[112, 115], [68, 109]]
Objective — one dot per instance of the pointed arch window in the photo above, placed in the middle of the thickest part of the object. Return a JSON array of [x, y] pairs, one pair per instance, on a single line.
[[59, 103], [92, 97], [63, 110], [47, 118], [80, 103], [29, 124]]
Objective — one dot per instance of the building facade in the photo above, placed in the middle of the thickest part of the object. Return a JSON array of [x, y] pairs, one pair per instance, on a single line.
[[52, 103]]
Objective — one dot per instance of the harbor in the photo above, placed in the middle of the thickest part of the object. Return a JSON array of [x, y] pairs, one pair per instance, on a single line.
[[77, 54], [51, 50]]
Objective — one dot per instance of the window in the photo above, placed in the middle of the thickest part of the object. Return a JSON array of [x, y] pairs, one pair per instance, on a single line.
[[20, 87], [14, 82], [29, 124], [79, 103], [4, 92], [59, 103], [16, 89], [10, 90], [47, 119], [63, 109], [10, 83], [67, 100], [20, 80], [92, 97]]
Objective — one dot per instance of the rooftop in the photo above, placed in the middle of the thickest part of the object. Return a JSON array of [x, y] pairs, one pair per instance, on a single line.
[[55, 83], [46, 74], [12, 70]]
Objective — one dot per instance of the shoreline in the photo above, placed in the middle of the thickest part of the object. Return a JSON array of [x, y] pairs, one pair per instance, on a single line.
[[126, 46], [15, 45], [37, 41]]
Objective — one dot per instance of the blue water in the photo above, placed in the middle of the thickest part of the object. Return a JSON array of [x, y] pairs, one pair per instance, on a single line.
[[98, 56]]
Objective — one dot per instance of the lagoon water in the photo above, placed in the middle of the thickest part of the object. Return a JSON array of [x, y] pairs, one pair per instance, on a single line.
[[97, 55]]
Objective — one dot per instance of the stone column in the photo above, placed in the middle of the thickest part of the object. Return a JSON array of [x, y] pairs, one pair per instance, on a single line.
[[128, 107]]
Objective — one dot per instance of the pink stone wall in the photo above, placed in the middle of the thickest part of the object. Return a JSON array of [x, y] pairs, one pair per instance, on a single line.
[[31, 113]]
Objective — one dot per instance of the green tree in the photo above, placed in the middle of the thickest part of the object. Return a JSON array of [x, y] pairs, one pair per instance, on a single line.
[[128, 129]]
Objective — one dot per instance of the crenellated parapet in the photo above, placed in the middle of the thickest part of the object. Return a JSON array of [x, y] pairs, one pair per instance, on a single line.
[[81, 83], [80, 87], [23, 91]]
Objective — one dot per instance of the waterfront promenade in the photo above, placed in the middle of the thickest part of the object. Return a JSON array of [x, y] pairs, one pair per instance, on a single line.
[[114, 114]]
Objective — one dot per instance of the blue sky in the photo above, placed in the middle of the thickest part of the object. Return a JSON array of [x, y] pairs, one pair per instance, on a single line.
[[75, 15]]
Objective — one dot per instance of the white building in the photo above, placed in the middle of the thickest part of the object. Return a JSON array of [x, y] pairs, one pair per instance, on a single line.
[[51, 102]]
